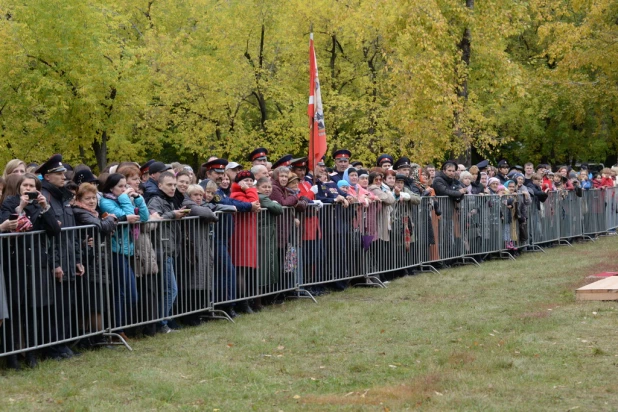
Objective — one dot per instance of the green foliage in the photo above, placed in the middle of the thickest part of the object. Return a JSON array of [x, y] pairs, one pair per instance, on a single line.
[[116, 80]]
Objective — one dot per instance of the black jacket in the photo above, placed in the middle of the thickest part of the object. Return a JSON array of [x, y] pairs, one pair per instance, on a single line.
[[99, 233], [502, 178], [27, 266], [538, 195], [477, 186], [445, 186], [65, 250]]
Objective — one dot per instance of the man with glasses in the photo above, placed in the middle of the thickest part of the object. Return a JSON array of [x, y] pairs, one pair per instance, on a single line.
[[342, 162]]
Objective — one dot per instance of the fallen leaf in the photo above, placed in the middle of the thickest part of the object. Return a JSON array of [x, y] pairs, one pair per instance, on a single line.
[[438, 393], [296, 396], [280, 347], [382, 331], [392, 366], [348, 394], [229, 345], [322, 367], [313, 379]]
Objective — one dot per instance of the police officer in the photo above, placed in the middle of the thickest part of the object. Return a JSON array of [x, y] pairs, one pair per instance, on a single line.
[[342, 162], [385, 161], [66, 262], [215, 169], [145, 170], [285, 160], [258, 157], [299, 166]]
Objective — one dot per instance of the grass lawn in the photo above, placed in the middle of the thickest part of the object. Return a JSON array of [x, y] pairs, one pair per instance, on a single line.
[[506, 336]]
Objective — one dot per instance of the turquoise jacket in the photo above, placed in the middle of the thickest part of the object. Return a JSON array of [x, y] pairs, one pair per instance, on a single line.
[[122, 240]]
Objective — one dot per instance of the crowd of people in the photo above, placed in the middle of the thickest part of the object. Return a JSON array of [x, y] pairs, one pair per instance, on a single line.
[[117, 206]]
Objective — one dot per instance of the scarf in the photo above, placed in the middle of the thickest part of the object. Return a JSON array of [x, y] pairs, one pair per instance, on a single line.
[[93, 212], [110, 197], [415, 176]]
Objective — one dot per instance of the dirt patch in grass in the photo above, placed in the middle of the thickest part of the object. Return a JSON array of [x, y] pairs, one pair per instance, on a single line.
[[534, 315], [416, 391], [461, 358]]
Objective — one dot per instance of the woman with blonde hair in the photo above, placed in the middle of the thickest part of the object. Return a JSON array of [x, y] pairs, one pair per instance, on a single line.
[[14, 166]]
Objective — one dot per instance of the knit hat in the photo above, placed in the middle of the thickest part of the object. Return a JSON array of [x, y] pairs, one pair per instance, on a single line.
[[516, 175], [244, 174], [342, 183], [493, 180]]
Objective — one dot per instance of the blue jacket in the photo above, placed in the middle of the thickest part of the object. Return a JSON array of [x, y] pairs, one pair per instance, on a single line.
[[227, 200], [122, 241], [151, 189], [326, 192]]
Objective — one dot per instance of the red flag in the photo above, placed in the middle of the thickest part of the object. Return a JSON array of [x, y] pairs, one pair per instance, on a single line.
[[317, 130]]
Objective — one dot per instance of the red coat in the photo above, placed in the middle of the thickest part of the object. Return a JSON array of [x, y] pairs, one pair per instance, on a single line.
[[243, 245], [311, 228], [607, 182]]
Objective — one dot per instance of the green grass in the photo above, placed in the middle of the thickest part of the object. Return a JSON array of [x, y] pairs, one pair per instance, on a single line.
[[506, 336]]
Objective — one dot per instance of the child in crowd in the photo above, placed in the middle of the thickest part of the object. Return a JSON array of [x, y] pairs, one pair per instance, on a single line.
[[606, 178], [548, 181], [244, 247], [268, 258], [208, 197], [585, 182]]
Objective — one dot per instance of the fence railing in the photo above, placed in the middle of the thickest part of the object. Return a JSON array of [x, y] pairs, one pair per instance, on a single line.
[[148, 273]]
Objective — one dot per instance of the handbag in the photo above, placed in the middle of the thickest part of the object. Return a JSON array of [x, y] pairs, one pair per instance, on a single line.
[[290, 262]]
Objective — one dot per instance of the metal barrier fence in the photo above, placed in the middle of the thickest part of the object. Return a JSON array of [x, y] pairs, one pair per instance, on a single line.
[[145, 274], [158, 271], [53, 288]]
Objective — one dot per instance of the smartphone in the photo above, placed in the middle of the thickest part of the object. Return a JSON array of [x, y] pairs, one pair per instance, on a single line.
[[14, 216]]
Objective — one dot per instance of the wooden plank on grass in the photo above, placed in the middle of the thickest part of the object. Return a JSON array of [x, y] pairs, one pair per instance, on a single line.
[[604, 289]]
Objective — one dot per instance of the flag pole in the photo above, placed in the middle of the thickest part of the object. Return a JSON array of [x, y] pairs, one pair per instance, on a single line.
[[311, 120]]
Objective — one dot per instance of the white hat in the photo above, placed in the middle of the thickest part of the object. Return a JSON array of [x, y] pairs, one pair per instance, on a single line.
[[232, 165]]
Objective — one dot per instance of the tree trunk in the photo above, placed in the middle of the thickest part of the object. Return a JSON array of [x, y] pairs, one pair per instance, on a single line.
[[100, 151], [462, 90]]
